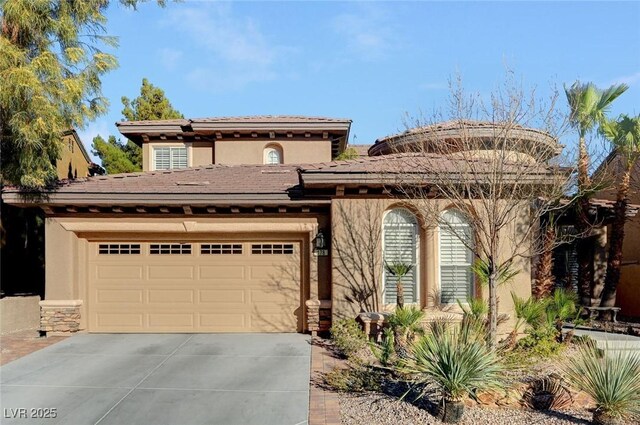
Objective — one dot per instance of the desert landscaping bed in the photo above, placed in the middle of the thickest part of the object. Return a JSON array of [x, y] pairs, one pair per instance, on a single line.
[[382, 409]]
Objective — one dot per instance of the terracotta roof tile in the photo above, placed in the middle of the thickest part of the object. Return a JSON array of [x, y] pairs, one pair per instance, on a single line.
[[213, 179]]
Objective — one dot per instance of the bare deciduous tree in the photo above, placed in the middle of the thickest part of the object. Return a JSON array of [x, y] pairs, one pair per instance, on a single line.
[[488, 161]]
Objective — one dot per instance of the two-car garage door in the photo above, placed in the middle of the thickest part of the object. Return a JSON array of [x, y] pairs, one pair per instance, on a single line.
[[200, 286]]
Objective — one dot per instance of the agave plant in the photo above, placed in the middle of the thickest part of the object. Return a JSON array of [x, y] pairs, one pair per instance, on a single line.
[[399, 270], [612, 380], [459, 362], [406, 324]]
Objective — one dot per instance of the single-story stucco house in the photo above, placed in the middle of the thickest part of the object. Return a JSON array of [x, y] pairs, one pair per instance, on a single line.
[[238, 225]]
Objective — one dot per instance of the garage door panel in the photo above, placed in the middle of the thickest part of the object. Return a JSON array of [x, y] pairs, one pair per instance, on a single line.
[[222, 272], [113, 321], [223, 296], [119, 271], [162, 321], [119, 296], [171, 296], [195, 291], [224, 322], [170, 272]]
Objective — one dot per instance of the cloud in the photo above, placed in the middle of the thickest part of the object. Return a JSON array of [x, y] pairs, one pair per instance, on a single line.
[[231, 52], [367, 32], [630, 80]]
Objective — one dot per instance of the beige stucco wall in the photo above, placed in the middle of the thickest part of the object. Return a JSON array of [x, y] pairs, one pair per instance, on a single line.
[[19, 313], [356, 211], [71, 155], [295, 151], [67, 245], [243, 151]]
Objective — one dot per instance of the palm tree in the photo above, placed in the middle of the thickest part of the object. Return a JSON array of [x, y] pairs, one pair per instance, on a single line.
[[399, 270], [588, 108], [624, 134]]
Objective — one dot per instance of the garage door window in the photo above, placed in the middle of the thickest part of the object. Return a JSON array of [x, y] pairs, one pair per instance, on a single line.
[[118, 248], [170, 248], [272, 248], [220, 248]]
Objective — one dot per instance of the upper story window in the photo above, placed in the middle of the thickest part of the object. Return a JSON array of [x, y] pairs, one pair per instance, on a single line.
[[169, 158], [273, 155]]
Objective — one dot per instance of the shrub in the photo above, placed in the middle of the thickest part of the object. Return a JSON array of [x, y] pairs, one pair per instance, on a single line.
[[355, 378], [611, 381], [406, 324], [348, 337], [459, 362], [384, 352]]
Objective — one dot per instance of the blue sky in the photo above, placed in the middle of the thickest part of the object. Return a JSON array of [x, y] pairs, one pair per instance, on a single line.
[[372, 62]]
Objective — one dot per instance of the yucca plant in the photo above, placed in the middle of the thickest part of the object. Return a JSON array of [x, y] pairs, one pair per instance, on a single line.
[[385, 350], [612, 380], [406, 324], [399, 270], [459, 362]]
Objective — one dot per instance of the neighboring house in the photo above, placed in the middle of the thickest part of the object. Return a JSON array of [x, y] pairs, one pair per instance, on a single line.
[[74, 161], [233, 228], [628, 291]]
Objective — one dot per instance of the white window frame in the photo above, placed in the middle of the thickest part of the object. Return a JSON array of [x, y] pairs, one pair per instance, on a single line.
[[472, 286], [171, 148], [416, 265], [268, 151]]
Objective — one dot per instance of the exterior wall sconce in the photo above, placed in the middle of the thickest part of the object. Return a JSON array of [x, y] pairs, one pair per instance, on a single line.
[[320, 248]]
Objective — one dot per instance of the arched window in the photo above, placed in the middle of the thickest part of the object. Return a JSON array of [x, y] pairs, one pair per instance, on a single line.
[[456, 259], [400, 244], [273, 155]]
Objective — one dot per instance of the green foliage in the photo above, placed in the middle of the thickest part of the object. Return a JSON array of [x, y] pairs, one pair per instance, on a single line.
[[544, 319], [541, 342], [151, 104], [408, 319], [354, 378], [384, 351], [624, 135], [349, 153], [589, 104], [50, 67], [117, 158], [348, 337], [398, 268], [611, 380], [505, 273], [457, 360]]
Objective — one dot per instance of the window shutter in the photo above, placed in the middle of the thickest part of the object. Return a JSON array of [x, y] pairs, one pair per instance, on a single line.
[[400, 243], [456, 277], [178, 157], [162, 158]]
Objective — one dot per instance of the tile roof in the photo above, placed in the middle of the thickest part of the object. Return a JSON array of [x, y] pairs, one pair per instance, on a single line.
[[407, 163], [213, 179], [240, 119], [362, 150]]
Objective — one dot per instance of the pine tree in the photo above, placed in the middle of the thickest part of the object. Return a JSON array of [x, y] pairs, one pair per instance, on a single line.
[[151, 104]]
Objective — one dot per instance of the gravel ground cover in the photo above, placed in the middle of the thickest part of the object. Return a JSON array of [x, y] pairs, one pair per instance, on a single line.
[[382, 409]]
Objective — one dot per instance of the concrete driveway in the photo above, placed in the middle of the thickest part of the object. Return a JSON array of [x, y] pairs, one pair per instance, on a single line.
[[161, 379]]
